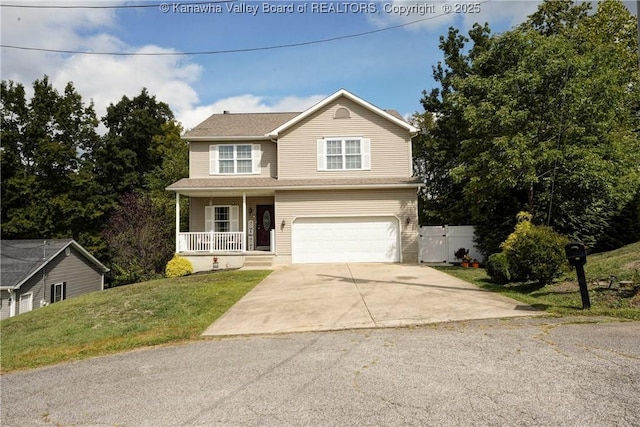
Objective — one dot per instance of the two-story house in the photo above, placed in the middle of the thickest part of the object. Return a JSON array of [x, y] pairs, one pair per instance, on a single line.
[[333, 183]]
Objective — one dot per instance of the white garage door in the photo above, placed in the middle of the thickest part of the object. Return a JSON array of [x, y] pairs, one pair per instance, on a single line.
[[366, 239]]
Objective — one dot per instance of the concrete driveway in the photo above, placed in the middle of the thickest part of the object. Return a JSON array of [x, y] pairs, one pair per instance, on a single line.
[[323, 297]]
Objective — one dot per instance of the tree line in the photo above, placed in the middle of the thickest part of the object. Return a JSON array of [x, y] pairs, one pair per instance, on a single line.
[[544, 119], [61, 178]]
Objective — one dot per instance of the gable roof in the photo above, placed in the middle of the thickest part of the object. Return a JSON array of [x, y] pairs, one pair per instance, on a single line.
[[387, 114], [22, 259], [239, 125], [244, 126]]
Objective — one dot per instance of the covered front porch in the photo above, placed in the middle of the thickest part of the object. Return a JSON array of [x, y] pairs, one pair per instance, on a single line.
[[227, 223]]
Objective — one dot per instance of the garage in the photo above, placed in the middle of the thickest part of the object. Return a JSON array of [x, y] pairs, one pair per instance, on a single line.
[[345, 239]]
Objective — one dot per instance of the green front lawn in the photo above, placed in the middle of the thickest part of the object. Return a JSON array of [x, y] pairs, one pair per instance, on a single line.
[[122, 318]]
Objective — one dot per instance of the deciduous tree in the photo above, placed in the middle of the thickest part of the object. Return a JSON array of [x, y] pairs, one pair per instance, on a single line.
[[540, 118]]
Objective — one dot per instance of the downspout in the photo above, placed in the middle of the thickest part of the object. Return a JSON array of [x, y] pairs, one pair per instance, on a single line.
[[12, 303], [43, 301]]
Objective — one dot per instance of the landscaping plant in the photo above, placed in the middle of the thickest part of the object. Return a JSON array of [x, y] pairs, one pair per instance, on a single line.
[[498, 268], [534, 252], [178, 267]]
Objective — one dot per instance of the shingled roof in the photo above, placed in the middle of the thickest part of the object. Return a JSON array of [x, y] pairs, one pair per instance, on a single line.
[[246, 124], [239, 124], [267, 125], [21, 259]]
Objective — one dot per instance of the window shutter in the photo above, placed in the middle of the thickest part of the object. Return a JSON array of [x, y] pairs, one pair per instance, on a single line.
[[256, 154], [52, 294], [366, 153], [64, 291], [213, 160], [234, 218], [208, 218], [322, 155]]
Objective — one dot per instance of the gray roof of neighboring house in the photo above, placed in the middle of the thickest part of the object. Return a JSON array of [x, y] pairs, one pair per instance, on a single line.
[[21, 259], [247, 124]]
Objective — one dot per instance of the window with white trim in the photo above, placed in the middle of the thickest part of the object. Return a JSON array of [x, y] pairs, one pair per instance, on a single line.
[[58, 292], [234, 159], [346, 153], [221, 219]]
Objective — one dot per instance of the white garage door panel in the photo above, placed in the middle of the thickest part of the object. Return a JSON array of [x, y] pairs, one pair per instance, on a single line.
[[318, 240]]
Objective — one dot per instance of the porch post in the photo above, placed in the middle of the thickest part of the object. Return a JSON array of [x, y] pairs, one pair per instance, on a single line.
[[177, 222], [244, 221]]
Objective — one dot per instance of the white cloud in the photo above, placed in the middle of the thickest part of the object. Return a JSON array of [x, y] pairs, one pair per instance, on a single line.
[[434, 16], [104, 79], [59, 29]]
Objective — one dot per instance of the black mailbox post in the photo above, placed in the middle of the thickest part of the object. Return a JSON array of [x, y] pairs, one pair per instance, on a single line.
[[577, 256]]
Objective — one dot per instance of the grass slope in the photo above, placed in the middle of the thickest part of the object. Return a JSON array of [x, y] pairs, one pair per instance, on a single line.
[[563, 297], [122, 318]]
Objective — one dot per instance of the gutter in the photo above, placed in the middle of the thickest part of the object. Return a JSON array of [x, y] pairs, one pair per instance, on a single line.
[[226, 138], [298, 187]]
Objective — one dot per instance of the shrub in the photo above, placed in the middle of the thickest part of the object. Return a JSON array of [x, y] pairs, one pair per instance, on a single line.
[[498, 268], [534, 252], [522, 227], [178, 267]]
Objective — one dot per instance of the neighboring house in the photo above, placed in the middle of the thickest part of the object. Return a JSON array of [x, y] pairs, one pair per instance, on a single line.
[[34, 273], [331, 184]]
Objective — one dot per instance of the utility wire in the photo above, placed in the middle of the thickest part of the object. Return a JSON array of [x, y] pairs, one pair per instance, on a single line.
[[250, 49]]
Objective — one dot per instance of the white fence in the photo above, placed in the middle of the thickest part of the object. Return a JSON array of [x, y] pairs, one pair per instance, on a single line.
[[439, 243], [211, 242]]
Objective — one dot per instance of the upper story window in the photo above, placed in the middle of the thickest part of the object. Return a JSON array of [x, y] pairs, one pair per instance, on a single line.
[[234, 159], [348, 153]]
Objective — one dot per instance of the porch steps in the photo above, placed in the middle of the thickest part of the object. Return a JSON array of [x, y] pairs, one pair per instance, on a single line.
[[258, 262]]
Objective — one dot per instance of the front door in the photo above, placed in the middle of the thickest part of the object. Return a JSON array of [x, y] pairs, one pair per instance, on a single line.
[[265, 222]]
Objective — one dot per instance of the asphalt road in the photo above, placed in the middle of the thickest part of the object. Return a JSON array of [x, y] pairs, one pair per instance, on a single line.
[[524, 371]]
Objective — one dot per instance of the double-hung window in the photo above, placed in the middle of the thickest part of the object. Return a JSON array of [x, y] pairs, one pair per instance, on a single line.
[[221, 219], [348, 153], [58, 292], [234, 159]]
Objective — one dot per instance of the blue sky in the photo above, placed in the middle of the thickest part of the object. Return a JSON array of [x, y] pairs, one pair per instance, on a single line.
[[389, 68]]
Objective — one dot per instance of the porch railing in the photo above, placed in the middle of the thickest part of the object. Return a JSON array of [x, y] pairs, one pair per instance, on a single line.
[[211, 242]]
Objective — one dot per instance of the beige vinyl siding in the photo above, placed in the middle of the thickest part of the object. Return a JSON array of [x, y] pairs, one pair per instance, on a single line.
[[199, 159], [197, 205], [401, 203], [390, 144]]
